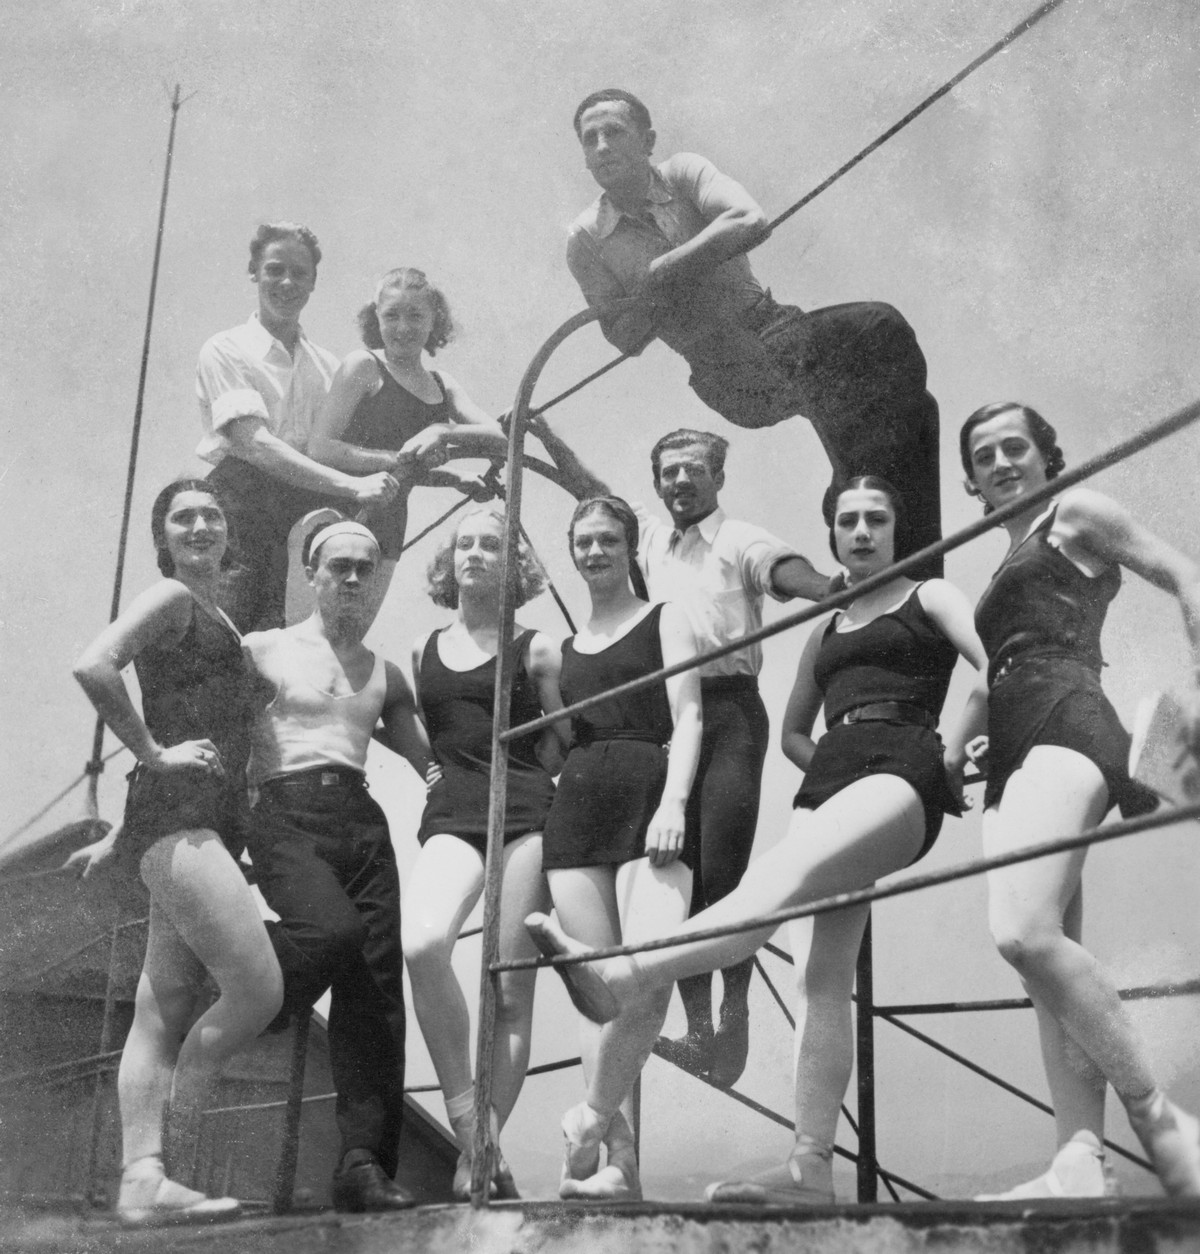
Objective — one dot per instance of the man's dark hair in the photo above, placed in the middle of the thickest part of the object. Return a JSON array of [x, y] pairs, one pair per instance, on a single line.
[[269, 232], [641, 115], [714, 447]]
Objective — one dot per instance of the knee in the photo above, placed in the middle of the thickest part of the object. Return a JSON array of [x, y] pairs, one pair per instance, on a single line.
[[1025, 944], [514, 998], [426, 947]]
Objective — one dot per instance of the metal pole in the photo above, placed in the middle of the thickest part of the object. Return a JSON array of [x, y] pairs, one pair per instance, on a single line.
[[95, 764], [483, 1149], [289, 1154], [107, 1032], [868, 1167]]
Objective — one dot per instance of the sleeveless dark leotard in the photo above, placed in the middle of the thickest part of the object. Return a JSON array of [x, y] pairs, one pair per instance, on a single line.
[[196, 690], [899, 656], [1040, 621], [613, 778], [458, 709], [388, 419]]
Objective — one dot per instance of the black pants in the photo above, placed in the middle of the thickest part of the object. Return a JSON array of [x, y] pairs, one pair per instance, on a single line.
[[325, 865], [857, 373], [261, 511]]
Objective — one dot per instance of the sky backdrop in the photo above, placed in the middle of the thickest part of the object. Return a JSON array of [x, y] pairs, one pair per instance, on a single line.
[[1038, 227]]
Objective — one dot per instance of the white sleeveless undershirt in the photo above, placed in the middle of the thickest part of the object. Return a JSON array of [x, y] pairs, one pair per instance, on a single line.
[[305, 727]]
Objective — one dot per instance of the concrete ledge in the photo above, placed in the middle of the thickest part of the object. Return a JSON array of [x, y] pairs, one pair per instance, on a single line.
[[1151, 1226]]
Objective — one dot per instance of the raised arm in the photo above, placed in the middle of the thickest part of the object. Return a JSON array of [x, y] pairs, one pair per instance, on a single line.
[[577, 478], [159, 616], [664, 836], [797, 577], [804, 704]]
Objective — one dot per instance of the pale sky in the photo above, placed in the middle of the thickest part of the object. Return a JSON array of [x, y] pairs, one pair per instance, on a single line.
[[1037, 227]]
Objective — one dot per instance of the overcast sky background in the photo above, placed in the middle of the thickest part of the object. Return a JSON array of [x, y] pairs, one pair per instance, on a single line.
[[1038, 227]]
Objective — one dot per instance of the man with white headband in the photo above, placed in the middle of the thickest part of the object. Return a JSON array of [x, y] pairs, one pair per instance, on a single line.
[[321, 847]]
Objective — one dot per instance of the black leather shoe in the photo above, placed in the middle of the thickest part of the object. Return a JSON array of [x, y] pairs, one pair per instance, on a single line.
[[362, 1185], [731, 1044], [691, 1053]]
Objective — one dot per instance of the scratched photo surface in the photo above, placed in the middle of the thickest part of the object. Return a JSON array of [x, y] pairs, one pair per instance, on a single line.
[[1037, 226]]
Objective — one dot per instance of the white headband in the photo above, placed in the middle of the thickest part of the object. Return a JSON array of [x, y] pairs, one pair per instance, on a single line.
[[343, 528]]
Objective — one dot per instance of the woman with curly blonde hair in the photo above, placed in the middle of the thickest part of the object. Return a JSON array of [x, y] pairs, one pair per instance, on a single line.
[[454, 674]]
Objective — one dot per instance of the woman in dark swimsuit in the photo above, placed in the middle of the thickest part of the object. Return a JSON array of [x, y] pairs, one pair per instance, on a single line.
[[387, 411], [187, 797], [455, 673], [1056, 762], [613, 848], [875, 789]]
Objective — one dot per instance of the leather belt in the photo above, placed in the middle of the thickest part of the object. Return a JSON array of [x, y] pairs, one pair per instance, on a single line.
[[888, 712]]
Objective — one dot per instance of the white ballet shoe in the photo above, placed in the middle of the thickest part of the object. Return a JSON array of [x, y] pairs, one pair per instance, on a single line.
[[589, 994], [1171, 1139], [1077, 1170], [618, 1179], [583, 1134], [148, 1199], [806, 1179]]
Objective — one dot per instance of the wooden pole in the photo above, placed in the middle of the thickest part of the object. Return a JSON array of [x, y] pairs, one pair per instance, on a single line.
[[868, 1167]]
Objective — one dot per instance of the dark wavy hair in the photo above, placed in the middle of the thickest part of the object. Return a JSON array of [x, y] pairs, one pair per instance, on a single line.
[[269, 232], [641, 115], [869, 483], [1044, 437], [441, 585], [158, 521], [715, 447], [620, 512], [407, 279]]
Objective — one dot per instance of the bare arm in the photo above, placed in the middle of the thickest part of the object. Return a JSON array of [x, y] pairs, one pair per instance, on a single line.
[[159, 616], [577, 478], [470, 432], [545, 668], [797, 577], [804, 704], [664, 836], [356, 379], [402, 731]]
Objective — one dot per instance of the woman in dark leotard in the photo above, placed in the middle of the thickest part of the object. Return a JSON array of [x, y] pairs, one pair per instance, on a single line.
[[386, 411], [875, 789], [455, 673], [187, 798], [1056, 764], [614, 838]]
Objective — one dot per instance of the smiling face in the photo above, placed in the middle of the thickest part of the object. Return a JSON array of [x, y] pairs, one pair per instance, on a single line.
[[616, 150], [686, 484], [478, 548], [864, 531], [600, 549], [286, 276], [406, 319], [1006, 463], [195, 532], [343, 578]]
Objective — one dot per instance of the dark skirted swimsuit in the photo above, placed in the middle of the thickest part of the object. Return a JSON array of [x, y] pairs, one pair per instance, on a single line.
[[388, 420], [900, 656], [1040, 621], [195, 690], [613, 778], [458, 709]]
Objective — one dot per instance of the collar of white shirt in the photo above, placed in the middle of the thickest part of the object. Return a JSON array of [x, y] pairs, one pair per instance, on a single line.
[[708, 527], [608, 215], [260, 341]]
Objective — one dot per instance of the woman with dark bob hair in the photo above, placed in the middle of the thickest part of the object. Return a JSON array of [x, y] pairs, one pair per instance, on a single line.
[[1056, 764], [387, 411], [876, 787], [454, 669], [186, 804]]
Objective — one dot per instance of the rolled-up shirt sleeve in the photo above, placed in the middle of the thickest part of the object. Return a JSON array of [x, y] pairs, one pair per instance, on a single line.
[[225, 386], [759, 554]]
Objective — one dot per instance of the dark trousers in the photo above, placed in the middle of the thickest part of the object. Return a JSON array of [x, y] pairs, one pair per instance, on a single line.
[[857, 373], [325, 865], [261, 511], [722, 809]]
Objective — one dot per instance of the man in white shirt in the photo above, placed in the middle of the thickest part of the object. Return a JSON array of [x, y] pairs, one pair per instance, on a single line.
[[719, 570], [260, 386]]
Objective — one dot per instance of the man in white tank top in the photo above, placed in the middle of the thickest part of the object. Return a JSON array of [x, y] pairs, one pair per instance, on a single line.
[[321, 848]]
